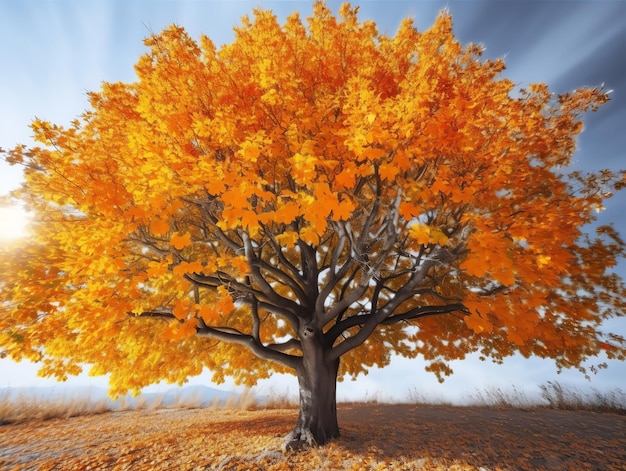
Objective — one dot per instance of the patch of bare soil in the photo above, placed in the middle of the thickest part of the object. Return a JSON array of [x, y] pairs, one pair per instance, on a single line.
[[374, 437]]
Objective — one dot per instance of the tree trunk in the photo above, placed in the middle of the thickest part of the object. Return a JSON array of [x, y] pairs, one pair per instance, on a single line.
[[317, 380]]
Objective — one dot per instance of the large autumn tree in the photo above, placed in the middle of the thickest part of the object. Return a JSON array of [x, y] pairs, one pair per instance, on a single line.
[[310, 198]]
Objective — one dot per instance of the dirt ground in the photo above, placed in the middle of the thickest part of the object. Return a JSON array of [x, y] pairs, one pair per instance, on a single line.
[[374, 437]]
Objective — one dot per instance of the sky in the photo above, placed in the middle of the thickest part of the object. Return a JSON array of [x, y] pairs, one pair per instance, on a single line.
[[53, 51]]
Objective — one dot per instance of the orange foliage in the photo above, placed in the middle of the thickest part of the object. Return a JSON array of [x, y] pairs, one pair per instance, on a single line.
[[322, 175]]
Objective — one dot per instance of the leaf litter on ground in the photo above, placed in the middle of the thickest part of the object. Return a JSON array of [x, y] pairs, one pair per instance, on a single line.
[[374, 437]]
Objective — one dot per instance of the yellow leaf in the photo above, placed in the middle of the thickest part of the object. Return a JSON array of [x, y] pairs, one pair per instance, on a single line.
[[309, 235], [303, 166], [287, 239], [420, 233], [543, 260], [156, 269], [438, 237], [250, 151]]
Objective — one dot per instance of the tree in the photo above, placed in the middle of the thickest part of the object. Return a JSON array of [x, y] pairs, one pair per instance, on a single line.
[[310, 199]]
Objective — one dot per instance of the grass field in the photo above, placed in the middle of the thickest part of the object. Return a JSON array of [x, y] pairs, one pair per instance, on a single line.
[[18, 406], [502, 431]]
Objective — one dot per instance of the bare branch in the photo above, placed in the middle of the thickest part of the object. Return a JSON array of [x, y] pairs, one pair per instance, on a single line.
[[439, 254], [248, 341], [272, 352], [412, 314]]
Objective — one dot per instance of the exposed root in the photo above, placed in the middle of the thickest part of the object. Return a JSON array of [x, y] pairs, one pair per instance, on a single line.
[[298, 439]]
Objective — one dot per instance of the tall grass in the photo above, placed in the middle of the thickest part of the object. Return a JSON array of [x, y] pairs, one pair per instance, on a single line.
[[18, 406], [553, 395], [497, 397], [567, 398], [25, 405]]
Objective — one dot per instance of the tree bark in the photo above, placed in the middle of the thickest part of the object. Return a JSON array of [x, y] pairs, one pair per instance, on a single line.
[[317, 380]]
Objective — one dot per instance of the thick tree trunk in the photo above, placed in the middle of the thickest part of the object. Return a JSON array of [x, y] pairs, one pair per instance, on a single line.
[[317, 379]]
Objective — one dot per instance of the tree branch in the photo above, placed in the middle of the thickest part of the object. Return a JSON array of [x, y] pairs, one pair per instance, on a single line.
[[256, 347], [272, 352], [438, 255], [266, 288], [424, 311]]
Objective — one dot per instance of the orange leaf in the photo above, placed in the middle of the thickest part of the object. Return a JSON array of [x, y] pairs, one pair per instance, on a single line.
[[371, 153], [475, 265], [225, 304], [156, 269], [346, 177], [215, 186], [180, 330], [515, 337], [159, 227], [181, 241], [440, 185], [181, 309], [504, 276], [240, 264], [344, 210], [208, 313], [478, 324], [420, 232], [286, 213], [388, 172], [188, 267], [409, 210], [309, 235]]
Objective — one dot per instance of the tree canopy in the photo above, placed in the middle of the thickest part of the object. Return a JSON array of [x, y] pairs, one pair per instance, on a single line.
[[386, 194]]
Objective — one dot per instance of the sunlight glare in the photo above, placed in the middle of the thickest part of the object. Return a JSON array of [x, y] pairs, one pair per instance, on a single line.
[[13, 223]]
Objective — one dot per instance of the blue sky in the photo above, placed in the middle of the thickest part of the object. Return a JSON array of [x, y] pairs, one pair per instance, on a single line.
[[53, 51]]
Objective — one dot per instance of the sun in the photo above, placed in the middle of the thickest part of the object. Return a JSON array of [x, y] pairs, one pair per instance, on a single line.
[[13, 223]]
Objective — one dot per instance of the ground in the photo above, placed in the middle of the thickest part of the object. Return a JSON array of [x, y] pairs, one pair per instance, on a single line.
[[374, 437]]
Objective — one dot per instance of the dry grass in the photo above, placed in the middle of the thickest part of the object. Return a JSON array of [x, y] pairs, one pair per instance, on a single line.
[[567, 398], [21, 406], [17, 406], [553, 396], [501, 431]]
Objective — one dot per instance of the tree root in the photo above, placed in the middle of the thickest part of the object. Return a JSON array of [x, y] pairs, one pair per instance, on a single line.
[[298, 439]]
